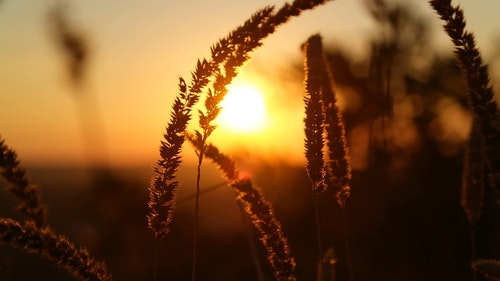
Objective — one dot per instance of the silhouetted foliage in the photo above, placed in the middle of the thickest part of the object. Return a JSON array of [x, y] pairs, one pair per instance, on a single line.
[[418, 209]]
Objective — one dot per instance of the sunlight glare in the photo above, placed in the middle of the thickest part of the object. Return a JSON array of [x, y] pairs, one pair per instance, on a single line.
[[243, 110]]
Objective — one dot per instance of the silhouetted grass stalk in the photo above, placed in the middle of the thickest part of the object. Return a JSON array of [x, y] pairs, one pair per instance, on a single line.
[[480, 92], [482, 157], [271, 234], [482, 101], [251, 243], [34, 235], [71, 43], [246, 38], [319, 274], [53, 247], [314, 118], [196, 214], [314, 129], [226, 56], [28, 193], [324, 127], [473, 181], [260, 212], [324, 131], [74, 47]]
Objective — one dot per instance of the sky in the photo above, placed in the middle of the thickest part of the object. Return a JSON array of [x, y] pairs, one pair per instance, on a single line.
[[139, 49]]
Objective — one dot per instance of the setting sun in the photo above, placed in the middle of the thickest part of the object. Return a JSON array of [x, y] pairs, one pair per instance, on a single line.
[[243, 110]]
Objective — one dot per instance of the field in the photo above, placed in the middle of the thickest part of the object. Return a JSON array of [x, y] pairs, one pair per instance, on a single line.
[[400, 182]]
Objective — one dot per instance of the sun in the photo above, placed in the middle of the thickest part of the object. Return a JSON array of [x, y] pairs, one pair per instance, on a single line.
[[243, 110]]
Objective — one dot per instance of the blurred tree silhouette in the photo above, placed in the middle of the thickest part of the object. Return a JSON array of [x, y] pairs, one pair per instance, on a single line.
[[397, 94], [407, 121]]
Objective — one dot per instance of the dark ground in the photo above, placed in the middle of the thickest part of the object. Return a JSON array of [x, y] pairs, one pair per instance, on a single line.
[[403, 224]]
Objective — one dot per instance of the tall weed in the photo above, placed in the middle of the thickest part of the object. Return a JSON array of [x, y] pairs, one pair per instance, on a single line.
[[326, 151]]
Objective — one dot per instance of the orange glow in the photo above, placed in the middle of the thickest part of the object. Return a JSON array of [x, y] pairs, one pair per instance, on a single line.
[[275, 136], [243, 110]]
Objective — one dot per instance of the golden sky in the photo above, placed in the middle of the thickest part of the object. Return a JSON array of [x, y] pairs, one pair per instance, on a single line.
[[138, 51]]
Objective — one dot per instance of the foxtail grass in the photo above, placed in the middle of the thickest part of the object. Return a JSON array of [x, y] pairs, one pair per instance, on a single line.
[[324, 131], [324, 126], [326, 147], [314, 123], [33, 235], [20, 185], [227, 55], [481, 96], [482, 161], [314, 126], [56, 248], [75, 50], [270, 232], [71, 43], [164, 185], [260, 212]]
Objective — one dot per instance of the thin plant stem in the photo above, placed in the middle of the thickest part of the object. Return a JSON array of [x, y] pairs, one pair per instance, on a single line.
[[259, 210], [318, 238], [472, 229], [324, 130], [202, 192], [227, 56], [388, 92], [473, 183], [388, 99], [196, 215], [347, 244], [155, 259]]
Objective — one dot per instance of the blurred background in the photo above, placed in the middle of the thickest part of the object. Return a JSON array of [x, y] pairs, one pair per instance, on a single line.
[[86, 90]]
